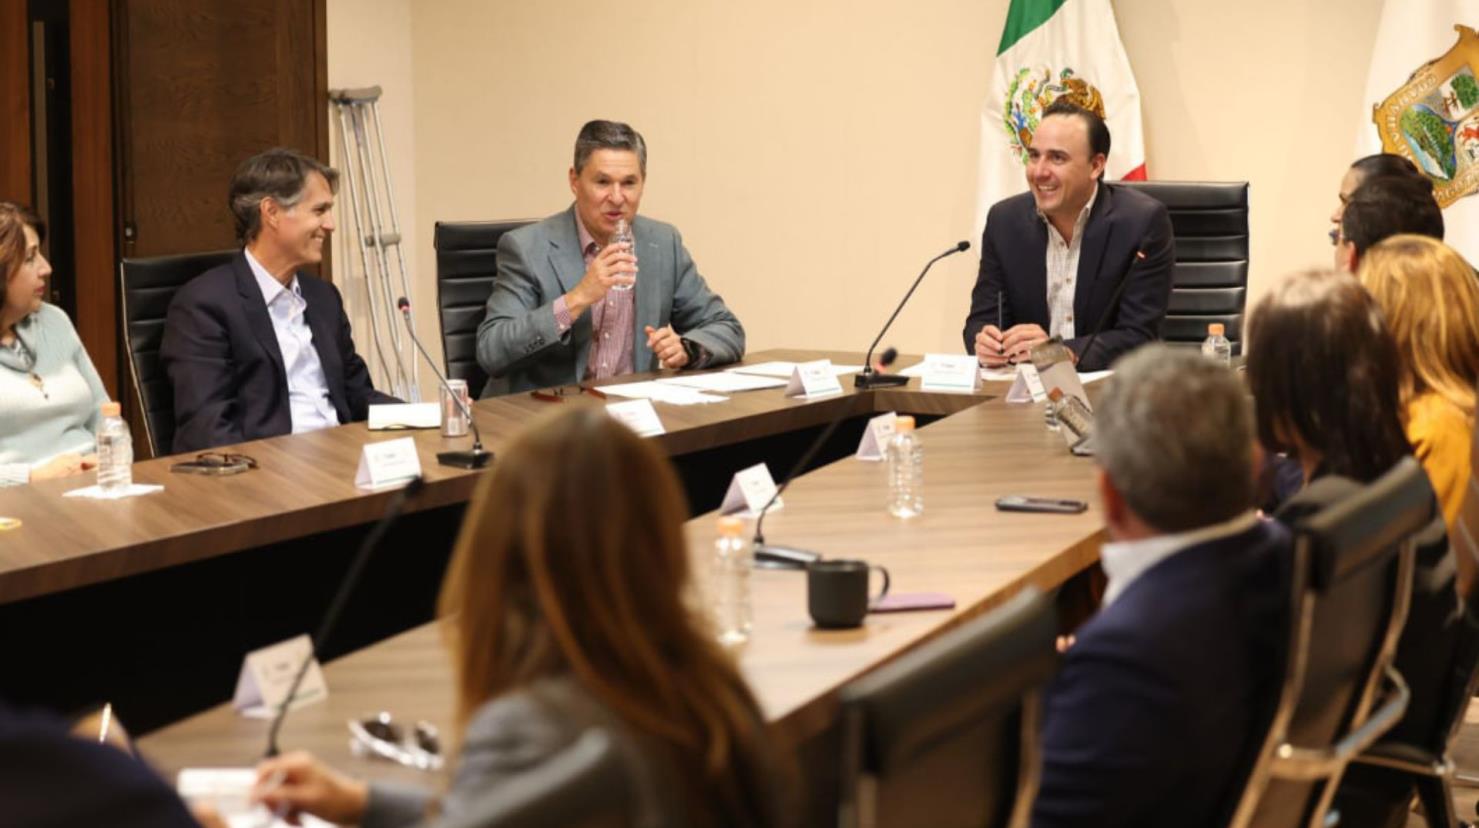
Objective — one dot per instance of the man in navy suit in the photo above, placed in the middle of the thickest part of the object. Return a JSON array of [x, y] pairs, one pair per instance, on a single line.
[[254, 348], [1164, 698], [1053, 258]]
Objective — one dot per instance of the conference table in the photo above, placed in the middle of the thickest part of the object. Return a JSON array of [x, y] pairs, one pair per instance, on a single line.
[[979, 450]]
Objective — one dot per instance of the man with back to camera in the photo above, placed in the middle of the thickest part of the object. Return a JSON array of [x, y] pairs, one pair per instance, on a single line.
[[254, 348], [1162, 702], [569, 307], [1057, 253], [1383, 206]]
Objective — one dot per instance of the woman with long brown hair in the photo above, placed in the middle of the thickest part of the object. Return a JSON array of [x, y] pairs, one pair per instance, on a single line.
[[567, 605]]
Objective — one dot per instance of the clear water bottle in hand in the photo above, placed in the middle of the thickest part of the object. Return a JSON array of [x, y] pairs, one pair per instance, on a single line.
[[905, 471], [115, 451], [1216, 346], [623, 235], [733, 560]]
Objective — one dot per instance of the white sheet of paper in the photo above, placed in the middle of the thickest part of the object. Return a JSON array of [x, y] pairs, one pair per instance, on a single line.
[[813, 379], [229, 791], [657, 392], [749, 490], [1093, 376], [876, 436], [725, 382], [1027, 386], [998, 374], [638, 415], [387, 463], [786, 369], [266, 675], [405, 415], [97, 493]]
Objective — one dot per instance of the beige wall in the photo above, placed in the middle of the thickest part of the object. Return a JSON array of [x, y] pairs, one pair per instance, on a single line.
[[816, 153]]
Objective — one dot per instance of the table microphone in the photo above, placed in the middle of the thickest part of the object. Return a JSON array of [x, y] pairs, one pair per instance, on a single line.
[[393, 512], [476, 457], [871, 379], [1114, 299]]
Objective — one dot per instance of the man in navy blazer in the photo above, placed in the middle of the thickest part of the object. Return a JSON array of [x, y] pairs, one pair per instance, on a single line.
[[1054, 258], [254, 348], [1163, 700]]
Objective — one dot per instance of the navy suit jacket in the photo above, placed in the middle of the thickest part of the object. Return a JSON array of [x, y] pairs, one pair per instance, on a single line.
[[220, 351], [1164, 699], [1122, 224], [51, 779]]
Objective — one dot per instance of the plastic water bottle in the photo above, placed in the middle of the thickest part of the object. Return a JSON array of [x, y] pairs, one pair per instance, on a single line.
[[1216, 346], [905, 471], [1050, 415], [115, 451], [622, 234], [733, 560]]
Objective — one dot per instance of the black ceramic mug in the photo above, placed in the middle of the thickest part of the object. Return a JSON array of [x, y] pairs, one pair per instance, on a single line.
[[837, 592]]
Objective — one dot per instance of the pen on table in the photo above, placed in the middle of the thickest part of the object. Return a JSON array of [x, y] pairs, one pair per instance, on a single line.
[[107, 717], [1000, 320]]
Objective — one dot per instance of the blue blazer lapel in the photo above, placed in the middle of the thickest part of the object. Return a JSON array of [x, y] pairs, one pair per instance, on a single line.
[[257, 319], [567, 264], [1034, 278], [1097, 231]]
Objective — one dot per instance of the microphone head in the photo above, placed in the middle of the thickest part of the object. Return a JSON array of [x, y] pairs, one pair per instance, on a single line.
[[962, 246], [403, 304], [889, 355]]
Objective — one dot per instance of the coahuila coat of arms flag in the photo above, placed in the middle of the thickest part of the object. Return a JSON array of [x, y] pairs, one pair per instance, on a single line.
[[1422, 95], [1051, 48]]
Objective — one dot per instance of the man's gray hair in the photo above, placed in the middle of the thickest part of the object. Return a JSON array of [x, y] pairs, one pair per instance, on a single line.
[[613, 135], [1174, 432], [279, 174]]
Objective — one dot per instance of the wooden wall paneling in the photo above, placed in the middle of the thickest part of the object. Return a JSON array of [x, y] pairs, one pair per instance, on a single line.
[[93, 209], [15, 103]]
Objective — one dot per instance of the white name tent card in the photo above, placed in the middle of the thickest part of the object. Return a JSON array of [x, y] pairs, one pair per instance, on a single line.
[[956, 373], [876, 436], [405, 415], [387, 463], [813, 379], [749, 491], [638, 415], [267, 674], [1027, 387]]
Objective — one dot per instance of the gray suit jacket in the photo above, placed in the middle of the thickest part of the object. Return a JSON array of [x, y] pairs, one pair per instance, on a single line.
[[513, 734], [518, 343]]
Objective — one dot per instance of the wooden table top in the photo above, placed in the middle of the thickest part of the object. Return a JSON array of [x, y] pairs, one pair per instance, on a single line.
[[961, 546], [305, 483]]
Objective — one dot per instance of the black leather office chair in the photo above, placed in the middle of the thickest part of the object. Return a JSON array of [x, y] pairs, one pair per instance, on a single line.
[[1351, 582], [467, 261], [584, 786], [148, 286], [1210, 223], [948, 734]]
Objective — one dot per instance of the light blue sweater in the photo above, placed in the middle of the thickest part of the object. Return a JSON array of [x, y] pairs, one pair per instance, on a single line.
[[37, 426]]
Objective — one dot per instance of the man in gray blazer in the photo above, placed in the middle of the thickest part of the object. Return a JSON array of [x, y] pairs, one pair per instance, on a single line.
[[568, 307]]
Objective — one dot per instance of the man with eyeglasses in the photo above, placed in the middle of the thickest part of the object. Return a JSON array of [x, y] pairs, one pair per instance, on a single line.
[[570, 306]]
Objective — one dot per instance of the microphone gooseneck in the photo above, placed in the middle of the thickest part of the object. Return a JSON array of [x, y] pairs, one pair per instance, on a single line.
[[476, 457], [869, 378], [393, 512]]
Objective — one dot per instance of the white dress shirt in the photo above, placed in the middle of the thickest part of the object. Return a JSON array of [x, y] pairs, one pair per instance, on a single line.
[[308, 390], [1062, 265], [1124, 561]]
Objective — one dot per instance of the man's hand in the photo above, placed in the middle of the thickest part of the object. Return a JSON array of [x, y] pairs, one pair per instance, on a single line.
[[297, 783], [1019, 340], [989, 351], [64, 465], [667, 345], [614, 265]]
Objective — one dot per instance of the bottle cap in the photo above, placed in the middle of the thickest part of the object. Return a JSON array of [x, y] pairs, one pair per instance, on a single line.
[[903, 422], [1215, 329], [112, 409], [731, 525], [1056, 394]]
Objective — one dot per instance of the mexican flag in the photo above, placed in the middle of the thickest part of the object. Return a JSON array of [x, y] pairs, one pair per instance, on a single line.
[[1051, 48], [1422, 102]]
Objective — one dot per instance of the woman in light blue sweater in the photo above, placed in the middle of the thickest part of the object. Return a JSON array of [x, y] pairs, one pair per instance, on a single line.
[[50, 393]]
